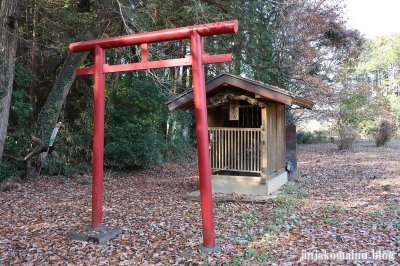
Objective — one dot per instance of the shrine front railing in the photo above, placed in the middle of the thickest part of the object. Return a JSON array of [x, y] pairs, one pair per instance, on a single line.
[[235, 149]]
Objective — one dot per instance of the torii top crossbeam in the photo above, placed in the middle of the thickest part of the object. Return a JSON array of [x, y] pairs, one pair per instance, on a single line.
[[157, 36], [197, 60]]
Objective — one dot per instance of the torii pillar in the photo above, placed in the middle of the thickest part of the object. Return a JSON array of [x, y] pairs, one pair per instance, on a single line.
[[197, 61]]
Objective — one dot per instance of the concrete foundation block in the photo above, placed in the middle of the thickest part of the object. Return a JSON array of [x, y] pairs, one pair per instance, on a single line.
[[249, 185], [107, 235], [206, 250], [99, 238], [276, 182], [228, 197], [78, 236]]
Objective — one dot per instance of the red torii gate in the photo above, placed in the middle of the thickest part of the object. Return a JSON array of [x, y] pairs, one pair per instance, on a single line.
[[196, 60]]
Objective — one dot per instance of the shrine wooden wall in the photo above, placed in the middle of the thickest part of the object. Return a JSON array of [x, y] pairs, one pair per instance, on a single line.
[[276, 137], [274, 130]]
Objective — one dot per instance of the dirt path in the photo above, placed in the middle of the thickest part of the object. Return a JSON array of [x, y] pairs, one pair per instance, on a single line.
[[343, 202]]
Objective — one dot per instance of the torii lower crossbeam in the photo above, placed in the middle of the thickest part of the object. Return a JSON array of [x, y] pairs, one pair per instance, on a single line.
[[197, 60]]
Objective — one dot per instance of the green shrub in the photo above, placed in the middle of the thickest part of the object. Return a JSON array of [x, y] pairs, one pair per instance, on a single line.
[[180, 137], [131, 146], [312, 137], [7, 171], [17, 141], [75, 138], [135, 129], [303, 137], [54, 166], [135, 123]]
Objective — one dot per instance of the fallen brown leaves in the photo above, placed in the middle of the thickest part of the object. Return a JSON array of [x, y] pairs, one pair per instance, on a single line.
[[351, 203]]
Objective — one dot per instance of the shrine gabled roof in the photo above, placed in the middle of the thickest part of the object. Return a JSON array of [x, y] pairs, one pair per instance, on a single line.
[[246, 86]]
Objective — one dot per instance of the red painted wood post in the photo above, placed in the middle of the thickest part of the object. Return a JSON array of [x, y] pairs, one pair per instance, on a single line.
[[200, 106], [98, 137]]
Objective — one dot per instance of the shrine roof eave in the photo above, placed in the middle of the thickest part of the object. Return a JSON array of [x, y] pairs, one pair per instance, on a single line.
[[247, 86]]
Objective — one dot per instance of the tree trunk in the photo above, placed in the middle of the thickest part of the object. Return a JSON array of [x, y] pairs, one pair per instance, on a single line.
[[33, 66], [9, 12], [51, 110]]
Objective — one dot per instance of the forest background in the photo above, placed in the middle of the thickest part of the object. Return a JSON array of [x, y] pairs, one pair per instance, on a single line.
[[302, 46]]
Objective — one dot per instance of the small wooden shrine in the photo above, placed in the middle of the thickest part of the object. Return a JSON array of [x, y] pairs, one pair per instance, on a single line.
[[247, 133]]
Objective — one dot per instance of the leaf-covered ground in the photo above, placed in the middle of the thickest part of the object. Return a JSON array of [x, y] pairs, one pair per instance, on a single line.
[[345, 202]]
